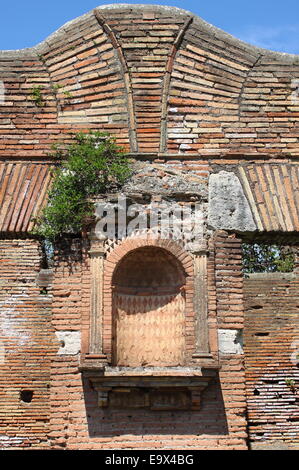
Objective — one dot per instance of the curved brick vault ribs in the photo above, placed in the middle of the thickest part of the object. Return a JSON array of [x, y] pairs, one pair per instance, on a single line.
[[91, 83], [126, 77], [206, 84], [147, 52], [147, 77], [166, 83]]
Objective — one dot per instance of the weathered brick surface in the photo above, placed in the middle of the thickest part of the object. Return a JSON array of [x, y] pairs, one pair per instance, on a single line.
[[271, 352]]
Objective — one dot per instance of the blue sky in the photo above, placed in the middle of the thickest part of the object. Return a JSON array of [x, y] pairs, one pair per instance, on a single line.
[[266, 23]]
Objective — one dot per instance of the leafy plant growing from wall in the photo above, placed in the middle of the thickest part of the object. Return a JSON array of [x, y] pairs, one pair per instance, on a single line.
[[36, 95], [291, 384], [91, 165], [67, 96]]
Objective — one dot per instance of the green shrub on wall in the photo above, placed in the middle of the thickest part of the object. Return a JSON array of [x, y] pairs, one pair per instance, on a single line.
[[92, 165]]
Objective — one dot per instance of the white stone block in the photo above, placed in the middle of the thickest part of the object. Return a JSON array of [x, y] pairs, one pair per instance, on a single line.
[[228, 206], [70, 342]]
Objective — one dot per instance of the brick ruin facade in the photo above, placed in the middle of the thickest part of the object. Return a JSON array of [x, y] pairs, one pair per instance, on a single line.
[[137, 343]]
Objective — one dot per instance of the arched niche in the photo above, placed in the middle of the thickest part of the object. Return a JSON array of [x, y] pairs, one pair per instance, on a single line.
[[148, 309]]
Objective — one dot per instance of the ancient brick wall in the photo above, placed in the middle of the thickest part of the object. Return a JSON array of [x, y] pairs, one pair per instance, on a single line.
[[230, 318], [67, 313], [271, 352], [25, 347]]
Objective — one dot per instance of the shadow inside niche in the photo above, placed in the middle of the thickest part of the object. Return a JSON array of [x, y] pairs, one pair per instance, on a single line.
[[105, 422]]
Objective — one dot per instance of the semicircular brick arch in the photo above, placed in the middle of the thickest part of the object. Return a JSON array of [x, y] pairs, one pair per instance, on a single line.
[[132, 244]]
